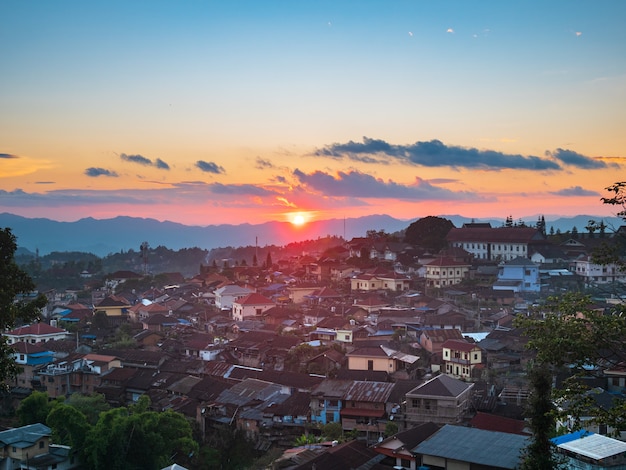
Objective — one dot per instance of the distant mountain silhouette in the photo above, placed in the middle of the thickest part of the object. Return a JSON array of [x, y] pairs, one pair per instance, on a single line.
[[105, 236]]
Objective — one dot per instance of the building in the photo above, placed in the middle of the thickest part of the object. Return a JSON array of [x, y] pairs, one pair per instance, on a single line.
[[518, 275], [251, 306], [441, 400], [496, 244], [591, 451], [443, 271], [463, 448], [461, 358], [36, 333]]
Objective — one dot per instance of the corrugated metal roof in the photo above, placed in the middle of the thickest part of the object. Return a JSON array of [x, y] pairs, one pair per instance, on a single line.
[[489, 448], [364, 391], [595, 446]]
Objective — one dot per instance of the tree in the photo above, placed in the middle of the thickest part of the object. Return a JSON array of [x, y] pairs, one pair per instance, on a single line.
[[540, 453], [89, 405], [429, 232], [16, 301], [69, 426], [134, 438], [575, 339], [35, 408]]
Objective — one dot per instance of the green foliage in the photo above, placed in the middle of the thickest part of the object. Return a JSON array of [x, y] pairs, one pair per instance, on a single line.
[[133, 438], [89, 405], [69, 426], [332, 431], [570, 335], [35, 408], [391, 428], [228, 448], [18, 303]]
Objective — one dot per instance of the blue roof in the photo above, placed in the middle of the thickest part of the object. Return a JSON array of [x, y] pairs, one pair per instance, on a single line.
[[570, 437]]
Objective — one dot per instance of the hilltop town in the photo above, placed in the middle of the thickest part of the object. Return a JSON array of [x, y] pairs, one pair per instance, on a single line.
[[383, 351]]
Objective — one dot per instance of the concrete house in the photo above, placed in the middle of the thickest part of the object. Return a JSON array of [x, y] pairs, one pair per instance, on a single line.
[[445, 271], [461, 358], [518, 275], [251, 306], [442, 400]]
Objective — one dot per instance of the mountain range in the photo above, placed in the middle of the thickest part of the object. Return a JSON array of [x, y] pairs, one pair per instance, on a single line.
[[105, 236]]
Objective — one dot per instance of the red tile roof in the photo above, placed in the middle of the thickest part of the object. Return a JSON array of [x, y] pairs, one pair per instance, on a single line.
[[36, 329]]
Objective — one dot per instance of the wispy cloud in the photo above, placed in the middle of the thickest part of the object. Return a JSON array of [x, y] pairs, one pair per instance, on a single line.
[[572, 158], [141, 160], [434, 153], [210, 167], [95, 172], [575, 191], [361, 185], [8, 156], [239, 189], [263, 164]]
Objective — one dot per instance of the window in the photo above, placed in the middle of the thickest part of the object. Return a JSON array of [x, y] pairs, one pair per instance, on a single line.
[[41, 444], [475, 356], [415, 403], [370, 364]]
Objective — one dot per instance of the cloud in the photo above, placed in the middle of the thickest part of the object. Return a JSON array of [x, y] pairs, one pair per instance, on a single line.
[[239, 189], [95, 172], [210, 167], [450, 30], [572, 158], [161, 164], [434, 153], [141, 160], [45, 182], [8, 156], [263, 164], [357, 184], [574, 191]]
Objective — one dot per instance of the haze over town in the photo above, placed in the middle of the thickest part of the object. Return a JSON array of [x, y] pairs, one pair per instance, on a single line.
[[236, 112]]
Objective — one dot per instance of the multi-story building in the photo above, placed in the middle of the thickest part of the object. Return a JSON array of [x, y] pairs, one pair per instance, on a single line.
[[592, 273], [496, 244], [460, 358], [443, 271], [442, 400]]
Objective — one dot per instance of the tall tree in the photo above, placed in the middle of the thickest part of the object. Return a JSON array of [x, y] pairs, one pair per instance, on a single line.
[[429, 232], [17, 303]]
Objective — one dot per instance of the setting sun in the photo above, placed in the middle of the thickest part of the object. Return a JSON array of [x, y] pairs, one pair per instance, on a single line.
[[298, 219]]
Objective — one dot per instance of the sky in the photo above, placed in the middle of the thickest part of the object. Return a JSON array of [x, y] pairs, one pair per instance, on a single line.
[[231, 112]]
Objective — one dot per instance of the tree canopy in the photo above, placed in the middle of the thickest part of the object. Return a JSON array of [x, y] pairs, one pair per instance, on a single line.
[[429, 232], [18, 300]]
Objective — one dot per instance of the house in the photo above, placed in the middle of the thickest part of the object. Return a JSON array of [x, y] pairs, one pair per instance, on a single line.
[[446, 271], [400, 446], [113, 306], [371, 358], [461, 358], [251, 306], [496, 244], [518, 275], [29, 357], [77, 374], [326, 400], [366, 408], [593, 274], [35, 333], [432, 339], [226, 295], [587, 450], [30, 447], [352, 454], [463, 448], [379, 358], [442, 400], [379, 280]]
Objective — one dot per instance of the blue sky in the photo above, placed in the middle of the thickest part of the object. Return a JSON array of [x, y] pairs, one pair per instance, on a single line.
[[210, 112]]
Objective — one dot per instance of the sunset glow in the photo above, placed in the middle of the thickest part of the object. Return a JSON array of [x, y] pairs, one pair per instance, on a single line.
[[230, 113]]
